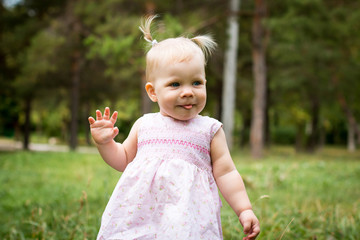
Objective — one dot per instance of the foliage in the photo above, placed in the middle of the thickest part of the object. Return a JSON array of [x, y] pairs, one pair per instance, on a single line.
[[297, 196], [308, 44], [39, 59], [306, 51]]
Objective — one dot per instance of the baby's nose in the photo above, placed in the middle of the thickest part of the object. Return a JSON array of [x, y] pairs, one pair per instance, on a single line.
[[187, 92]]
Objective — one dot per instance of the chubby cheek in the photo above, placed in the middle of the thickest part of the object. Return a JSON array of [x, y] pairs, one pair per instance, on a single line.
[[167, 102], [168, 98], [202, 98]]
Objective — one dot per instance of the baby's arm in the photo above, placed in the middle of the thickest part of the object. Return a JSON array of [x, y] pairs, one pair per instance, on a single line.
[[232, 186], [115, 154]]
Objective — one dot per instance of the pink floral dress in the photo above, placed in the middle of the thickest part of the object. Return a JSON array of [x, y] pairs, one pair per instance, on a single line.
[[168, 190]]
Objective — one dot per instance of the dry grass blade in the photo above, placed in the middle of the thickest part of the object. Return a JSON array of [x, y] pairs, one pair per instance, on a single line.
[[286, 228]]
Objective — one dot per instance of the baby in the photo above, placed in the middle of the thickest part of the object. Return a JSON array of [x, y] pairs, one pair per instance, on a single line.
[[173, 161]]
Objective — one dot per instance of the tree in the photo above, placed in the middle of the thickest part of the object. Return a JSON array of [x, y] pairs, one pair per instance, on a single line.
[[344, 77], [259, 69], [23, 70], [311, 43], [38, 63], [230, 70], [74, 26]]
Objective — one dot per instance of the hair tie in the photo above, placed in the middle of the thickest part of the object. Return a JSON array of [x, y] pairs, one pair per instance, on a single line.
[[154, 42]]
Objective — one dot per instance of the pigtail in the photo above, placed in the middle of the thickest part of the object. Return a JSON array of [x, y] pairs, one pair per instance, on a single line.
[[146, 30], [206, 43]]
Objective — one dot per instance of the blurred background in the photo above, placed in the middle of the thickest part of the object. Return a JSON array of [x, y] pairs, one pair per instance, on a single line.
[[284, 73]]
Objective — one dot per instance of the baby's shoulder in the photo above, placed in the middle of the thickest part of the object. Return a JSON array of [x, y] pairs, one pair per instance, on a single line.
[[148, 120], [150, 117], [206, 120], [209, 124]]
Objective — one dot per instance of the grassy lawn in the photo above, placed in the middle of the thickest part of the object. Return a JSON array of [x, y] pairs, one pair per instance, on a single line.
[[296, 196]]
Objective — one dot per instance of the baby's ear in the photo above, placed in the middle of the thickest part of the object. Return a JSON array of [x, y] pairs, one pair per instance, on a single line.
[[149, 87]]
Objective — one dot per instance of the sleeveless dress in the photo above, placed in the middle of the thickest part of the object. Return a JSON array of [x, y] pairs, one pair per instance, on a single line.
[[168, 190]]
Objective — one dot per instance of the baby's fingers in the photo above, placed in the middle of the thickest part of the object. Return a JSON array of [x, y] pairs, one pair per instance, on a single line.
[[91, 120], [115, 132], [247, 227], [114, 117], [98, 115], [252, 232], [107, 113]]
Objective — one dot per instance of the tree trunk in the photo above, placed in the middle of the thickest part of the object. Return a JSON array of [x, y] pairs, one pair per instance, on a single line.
[[75, 28], [357, 129], [86, 123], [299, 139], [313, 141], [259, 71], [351, 144], [229, 86], [75, 76], [27, 124], [267, 117], [353, 128]]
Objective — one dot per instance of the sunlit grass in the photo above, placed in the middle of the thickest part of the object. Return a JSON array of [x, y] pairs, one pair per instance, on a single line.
[[53, 195], [302, 196], [295, 196]]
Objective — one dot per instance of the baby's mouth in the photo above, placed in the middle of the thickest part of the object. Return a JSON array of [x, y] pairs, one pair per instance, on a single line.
[[187, 106]]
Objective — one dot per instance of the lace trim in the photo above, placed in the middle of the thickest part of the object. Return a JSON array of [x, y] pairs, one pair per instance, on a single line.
[[174, 142]]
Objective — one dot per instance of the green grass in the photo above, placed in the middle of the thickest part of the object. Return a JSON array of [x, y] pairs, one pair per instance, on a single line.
[[295, 196]]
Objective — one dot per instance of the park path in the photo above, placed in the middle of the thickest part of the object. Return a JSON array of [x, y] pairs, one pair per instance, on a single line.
[[11, 145]]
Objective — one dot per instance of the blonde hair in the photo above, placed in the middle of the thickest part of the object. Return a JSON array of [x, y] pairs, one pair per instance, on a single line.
[[173, 50]]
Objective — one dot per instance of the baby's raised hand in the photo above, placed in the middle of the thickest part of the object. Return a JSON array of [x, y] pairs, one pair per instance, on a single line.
[[250, 224], [103, 130]]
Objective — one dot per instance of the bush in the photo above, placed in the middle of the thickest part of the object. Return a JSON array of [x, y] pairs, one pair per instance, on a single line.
[[283, 135]]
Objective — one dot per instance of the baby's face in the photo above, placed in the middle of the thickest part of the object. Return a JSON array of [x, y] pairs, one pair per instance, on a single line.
[[180, 88]]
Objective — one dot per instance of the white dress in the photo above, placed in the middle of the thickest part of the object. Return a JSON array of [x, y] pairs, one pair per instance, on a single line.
[[168, 190]]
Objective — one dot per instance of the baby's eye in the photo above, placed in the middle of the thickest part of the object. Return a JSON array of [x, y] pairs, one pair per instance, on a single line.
[[175, 84], [197, 83]]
